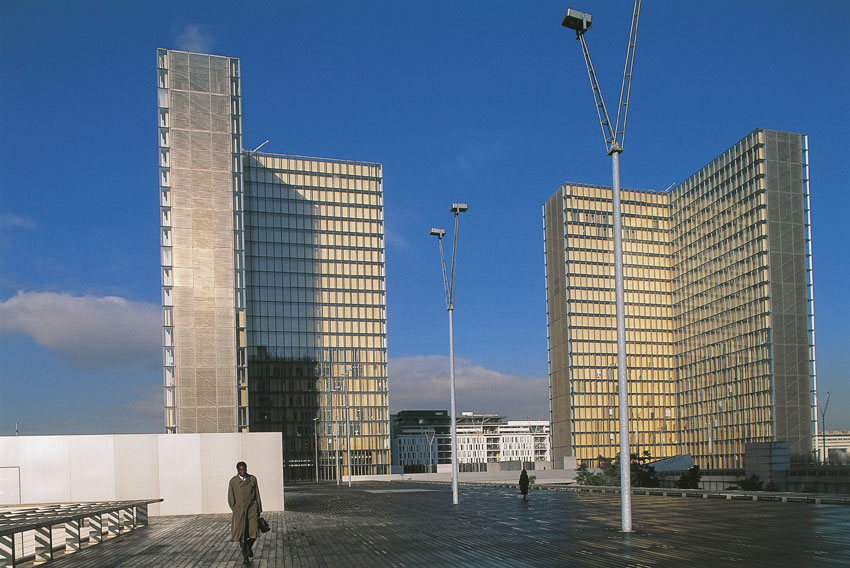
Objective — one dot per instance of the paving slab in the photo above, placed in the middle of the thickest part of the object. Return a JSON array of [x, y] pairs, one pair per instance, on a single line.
[[410, 525]]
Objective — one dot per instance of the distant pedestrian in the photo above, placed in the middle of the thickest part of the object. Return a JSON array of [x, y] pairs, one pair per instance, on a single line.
[[523, 484], [243, 496]]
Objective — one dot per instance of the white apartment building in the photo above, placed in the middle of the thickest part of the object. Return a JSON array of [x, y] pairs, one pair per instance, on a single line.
[[422, 440], [837, 444]]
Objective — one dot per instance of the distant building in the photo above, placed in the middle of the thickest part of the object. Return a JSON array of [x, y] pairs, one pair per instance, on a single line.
[[719, 310], [273, 284], [837, 444], [422, 440]]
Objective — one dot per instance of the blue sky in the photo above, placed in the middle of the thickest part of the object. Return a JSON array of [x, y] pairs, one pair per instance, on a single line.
[[481, 102]]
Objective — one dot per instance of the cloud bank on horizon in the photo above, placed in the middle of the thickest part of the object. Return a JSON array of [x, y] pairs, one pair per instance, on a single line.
[[421, 382], [87, 332], [113, 334]]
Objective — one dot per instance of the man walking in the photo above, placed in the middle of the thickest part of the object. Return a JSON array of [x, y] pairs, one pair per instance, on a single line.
[[243, 496]]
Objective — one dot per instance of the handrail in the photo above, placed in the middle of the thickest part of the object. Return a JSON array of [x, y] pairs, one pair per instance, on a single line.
[[41, 521], [728, 494], [9, 522]]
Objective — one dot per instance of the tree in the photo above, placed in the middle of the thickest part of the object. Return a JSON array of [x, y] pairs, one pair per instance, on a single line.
[[610, 470], [752, 483], [643, 474], [690, 479], [583, 476], [607, 476]]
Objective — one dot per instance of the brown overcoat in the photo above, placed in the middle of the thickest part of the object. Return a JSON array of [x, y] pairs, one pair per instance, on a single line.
[[244, 500]]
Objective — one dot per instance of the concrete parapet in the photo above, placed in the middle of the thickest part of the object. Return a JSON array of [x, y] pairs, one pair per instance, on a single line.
[[189, 472]]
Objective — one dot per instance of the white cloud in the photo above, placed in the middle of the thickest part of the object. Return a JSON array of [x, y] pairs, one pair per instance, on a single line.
[[477, 152], [193, 39], [422, 382], [88, 332], [12, 221], [395, 240]]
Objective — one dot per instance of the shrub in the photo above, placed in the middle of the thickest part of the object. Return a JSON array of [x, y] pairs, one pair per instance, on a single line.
[[752, 483], [690, 479]]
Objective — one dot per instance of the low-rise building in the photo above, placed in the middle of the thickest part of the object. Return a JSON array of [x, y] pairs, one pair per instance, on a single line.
[[837, 444], [422, 440]]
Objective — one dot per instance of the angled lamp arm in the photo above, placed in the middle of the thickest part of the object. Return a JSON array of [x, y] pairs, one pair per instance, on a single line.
[[626, 84], [601, 110], [451, 286], [446, 288]]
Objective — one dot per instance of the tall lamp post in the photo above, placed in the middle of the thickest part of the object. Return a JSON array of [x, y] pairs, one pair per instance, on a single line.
[[347, 424], [429, 435], [614, 140], [449, 287], [316, 435], [825, 453], [336, 430]]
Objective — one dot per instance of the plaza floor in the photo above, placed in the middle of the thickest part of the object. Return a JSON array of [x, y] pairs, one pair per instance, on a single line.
[[403, 525]]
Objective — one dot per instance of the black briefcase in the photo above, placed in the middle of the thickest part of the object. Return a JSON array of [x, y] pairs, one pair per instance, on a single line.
[[263, 525]]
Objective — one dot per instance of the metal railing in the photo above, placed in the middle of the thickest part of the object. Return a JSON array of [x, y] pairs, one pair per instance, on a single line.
[[728, 494], [37, 533]]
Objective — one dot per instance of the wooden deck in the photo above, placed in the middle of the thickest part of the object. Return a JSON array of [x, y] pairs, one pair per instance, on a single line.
[[404, 525]]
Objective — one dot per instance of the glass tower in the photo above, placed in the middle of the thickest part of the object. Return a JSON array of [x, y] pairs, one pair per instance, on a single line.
[[582, 320], [719, 310], [273, 284], [315, 287]]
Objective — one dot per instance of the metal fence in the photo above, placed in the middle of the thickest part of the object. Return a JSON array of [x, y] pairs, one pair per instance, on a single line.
[[35, 534]]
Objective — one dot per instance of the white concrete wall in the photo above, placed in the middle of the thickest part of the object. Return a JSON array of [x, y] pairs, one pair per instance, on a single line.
[[189, 471]]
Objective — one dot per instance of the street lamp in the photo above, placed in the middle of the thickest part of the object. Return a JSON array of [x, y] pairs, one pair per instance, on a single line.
[[430, 439], [825, 453], [449, 287], [336, 428], [347, 424], [316, 434], [614, 141]]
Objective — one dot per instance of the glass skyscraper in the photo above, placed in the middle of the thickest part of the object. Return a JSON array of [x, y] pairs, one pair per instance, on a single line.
[[273, 284], [719, 310]]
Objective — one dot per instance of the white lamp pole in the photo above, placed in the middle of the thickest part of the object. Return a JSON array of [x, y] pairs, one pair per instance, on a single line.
[[316, 434], [430, 447], [449, 287], [824, 452], [614, 140], [336, 432], [348, 425]]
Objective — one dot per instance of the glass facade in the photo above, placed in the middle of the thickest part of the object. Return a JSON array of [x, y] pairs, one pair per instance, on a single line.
[[273, 283], [317, 353], [583, 326], [719, 315]]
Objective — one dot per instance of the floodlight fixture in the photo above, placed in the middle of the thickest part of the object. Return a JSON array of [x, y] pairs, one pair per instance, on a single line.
[[439, 233], [577, 20], [458, 207]]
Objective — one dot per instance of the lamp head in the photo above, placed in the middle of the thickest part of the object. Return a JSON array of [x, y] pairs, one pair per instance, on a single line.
[[459, 207], [439, 233], [577, 20]]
